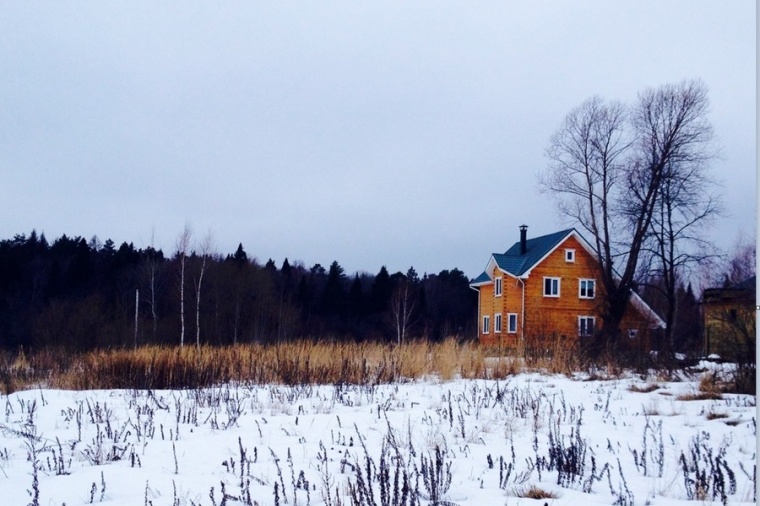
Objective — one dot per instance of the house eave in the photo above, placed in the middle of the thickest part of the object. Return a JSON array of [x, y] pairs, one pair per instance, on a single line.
[[648, 312]]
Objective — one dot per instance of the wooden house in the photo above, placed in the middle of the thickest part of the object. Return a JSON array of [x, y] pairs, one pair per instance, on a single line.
[[729, 320], [547, 288]]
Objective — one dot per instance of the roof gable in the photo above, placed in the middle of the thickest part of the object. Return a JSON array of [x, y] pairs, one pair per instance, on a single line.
[[537, 249], [516, 264], [480, 280]]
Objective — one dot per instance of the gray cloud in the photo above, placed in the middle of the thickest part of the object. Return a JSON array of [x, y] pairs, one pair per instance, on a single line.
[[372, 133]]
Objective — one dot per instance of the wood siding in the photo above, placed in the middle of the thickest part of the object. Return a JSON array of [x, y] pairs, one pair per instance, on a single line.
[[510, 301]]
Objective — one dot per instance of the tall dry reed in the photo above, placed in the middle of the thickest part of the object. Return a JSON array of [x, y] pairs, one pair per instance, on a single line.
[[289, 363], [297, 362]]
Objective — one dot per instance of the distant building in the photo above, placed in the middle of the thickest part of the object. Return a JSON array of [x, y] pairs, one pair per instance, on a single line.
[[729, 319], [548, 288]]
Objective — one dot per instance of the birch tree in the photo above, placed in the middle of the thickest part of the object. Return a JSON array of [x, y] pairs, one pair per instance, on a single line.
[[403, 305], [153, 261], [182, 245], [206, 248]]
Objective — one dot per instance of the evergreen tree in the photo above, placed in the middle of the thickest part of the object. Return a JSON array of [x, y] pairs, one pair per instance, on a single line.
[[356, 298], [240, 257], [108, 249], [382, 288], [81, 294], [286, 270], [334, 295]]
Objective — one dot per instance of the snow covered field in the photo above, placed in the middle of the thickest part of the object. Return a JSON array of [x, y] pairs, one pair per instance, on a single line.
[[459, 442]]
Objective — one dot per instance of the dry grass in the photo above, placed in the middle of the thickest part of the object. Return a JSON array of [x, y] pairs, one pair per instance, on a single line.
[[534, 492], [645, 389], [710, 388], [291, 363], [711, 415], [553, 355], [700, 396], [297, 362], [709, 383]]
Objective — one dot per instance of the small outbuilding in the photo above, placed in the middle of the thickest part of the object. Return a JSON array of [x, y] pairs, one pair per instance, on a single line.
[[729, 320]]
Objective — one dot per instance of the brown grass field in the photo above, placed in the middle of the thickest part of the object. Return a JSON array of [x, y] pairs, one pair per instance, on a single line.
[[302, 362], [290, 363]]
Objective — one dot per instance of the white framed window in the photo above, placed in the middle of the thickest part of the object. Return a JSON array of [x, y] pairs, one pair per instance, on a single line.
[[569, 255], [632, 333], [512, 323], [486, 324], [497, 286], [586, 325], [497, 323], [551, 287], [586, 288]]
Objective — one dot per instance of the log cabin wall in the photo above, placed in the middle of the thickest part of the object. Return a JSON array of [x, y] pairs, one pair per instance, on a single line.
[[548, 316]]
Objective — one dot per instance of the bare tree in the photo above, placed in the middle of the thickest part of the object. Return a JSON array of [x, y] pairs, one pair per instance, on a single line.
[[587, 165], [742, 262], [677, 241], [206, 248], [402, 306], [152, 273], [673, 122], [182, 245], [608, 165], [137, 313]]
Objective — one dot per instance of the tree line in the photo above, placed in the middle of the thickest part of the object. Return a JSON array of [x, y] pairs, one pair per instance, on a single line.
[[84, 294]]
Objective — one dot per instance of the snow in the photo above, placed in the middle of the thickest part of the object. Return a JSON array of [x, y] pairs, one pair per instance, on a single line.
[[128, 447]]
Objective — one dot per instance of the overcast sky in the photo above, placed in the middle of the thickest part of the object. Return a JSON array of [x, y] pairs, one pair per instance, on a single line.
[[372, 133]]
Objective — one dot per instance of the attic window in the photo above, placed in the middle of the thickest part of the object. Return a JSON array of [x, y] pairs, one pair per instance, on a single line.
[[497, 287], [569, 255]]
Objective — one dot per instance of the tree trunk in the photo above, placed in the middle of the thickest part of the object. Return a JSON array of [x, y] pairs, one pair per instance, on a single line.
[[182, 301], [198, 305]]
